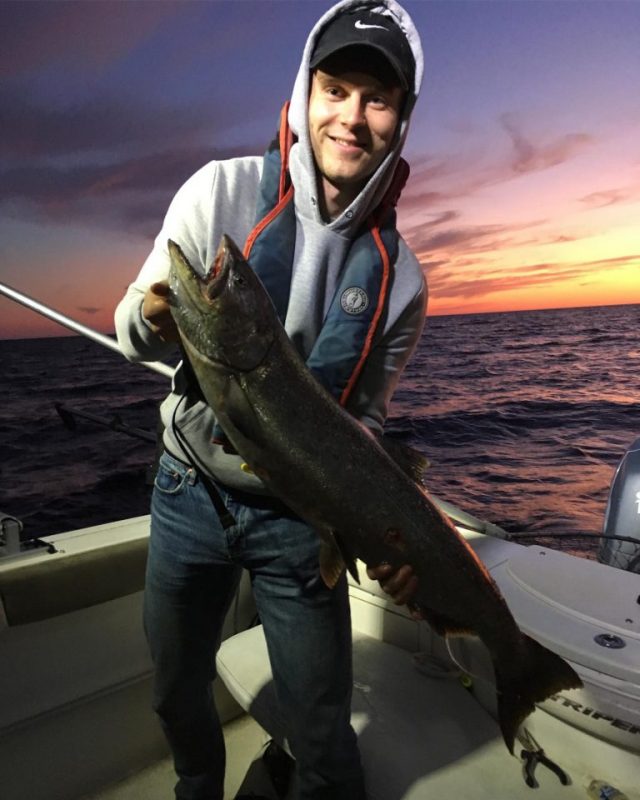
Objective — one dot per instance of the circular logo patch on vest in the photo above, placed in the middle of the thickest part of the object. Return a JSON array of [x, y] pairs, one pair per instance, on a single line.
[[354, 300]]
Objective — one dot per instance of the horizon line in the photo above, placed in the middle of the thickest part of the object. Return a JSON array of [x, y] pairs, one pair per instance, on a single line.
[[444, 314]]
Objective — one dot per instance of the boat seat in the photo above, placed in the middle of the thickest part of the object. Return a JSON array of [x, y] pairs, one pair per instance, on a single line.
[[414, 731], [62, 582]]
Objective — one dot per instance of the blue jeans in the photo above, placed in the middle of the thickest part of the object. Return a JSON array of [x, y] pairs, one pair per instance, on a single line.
[[192, 572]]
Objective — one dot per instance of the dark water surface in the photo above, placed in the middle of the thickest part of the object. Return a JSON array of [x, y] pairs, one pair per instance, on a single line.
[[523, 416]]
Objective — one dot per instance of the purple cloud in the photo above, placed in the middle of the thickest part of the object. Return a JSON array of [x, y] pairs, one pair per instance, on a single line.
[[100, 32], [130, 193], [610, 197], [531, 157]]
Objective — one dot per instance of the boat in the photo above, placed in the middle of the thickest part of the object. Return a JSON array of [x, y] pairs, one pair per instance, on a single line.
[[75, 675]]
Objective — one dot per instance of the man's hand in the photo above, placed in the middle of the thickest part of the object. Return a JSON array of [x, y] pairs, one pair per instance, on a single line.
[[156, 310], [400, 584]]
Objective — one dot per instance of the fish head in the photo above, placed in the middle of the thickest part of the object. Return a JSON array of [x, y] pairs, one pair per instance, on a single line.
[[226, 315]]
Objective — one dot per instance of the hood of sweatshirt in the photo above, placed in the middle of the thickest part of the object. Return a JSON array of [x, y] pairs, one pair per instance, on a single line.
[[302, 165]]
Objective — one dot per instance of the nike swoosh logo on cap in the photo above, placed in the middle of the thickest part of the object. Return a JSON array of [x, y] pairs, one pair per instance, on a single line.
[[363, 26]]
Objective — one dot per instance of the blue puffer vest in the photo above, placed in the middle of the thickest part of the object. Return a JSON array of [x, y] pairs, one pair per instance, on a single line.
[[360, 298]]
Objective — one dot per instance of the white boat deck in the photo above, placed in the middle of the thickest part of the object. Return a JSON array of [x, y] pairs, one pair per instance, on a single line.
[[245, 741], [76, 687], [488, 772]]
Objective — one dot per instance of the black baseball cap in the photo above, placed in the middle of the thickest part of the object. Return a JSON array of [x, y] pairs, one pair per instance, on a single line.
[[366, 27]]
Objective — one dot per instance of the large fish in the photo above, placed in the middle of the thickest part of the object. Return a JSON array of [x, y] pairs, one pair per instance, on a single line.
[[337, 476]]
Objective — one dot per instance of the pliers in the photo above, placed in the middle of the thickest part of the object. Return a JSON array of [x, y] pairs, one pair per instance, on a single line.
[[533, 755]]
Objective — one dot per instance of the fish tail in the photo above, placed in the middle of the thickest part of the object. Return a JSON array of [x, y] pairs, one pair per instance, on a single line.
[[522, 682]]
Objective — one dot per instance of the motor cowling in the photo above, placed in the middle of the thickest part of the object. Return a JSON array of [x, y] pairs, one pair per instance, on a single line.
[[622, 517]]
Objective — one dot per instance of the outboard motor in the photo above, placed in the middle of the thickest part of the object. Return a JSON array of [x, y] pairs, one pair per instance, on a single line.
[[622, 517]]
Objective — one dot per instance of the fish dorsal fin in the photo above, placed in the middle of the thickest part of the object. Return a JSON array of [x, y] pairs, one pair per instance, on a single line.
[[410, 460], [334, 557]]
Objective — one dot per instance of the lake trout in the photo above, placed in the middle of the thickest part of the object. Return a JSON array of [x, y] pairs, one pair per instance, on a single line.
[[337, 476]]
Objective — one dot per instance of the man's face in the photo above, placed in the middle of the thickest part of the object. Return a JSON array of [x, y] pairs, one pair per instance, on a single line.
[[352, 122]]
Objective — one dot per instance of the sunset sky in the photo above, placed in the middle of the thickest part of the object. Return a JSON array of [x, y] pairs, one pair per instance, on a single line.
[[525, 145]]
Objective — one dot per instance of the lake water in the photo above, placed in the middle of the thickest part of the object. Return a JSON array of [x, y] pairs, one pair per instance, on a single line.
[[523, 417]]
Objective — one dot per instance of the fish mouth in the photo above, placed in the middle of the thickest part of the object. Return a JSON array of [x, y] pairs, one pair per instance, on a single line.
[[190, 289], [214, 282]]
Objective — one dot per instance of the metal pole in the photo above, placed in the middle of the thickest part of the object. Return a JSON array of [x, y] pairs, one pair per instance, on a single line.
[[61, 319]]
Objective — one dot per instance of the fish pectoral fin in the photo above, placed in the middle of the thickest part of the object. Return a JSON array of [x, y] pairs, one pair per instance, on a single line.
[[239, 412], [331, 564], [334, 558]]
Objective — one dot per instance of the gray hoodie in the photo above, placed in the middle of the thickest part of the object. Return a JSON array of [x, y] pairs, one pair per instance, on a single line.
[[221, 198]]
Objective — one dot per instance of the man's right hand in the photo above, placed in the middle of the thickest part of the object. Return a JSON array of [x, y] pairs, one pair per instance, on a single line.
[[399, 583], [156, 310]]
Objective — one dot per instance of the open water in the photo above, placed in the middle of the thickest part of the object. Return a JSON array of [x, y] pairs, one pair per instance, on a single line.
[[523, 417]]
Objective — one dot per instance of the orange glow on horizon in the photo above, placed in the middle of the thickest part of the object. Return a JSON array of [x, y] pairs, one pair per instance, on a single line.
[[538, 270], [599, 291]]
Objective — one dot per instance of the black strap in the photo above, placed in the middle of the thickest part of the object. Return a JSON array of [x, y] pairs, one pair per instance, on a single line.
[[224, 515]]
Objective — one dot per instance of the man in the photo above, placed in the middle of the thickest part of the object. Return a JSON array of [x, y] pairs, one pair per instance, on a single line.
[[339, 155]]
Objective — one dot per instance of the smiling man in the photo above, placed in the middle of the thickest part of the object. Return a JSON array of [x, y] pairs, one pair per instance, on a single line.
[[353, 117], [317, 216]]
